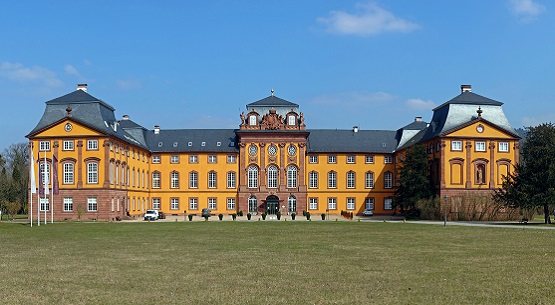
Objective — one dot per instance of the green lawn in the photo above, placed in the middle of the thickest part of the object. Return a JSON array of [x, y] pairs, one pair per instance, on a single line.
[[274, 262]]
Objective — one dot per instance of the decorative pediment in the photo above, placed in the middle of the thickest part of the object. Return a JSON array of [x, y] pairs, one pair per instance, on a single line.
[[272, 121]]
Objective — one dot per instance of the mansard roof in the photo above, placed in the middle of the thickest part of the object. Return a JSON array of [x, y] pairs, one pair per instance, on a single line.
[[349, 141], [470, 98], [192, 140], [272, 101]]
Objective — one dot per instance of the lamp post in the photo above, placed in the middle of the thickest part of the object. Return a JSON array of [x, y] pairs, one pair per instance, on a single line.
[[445, 210]]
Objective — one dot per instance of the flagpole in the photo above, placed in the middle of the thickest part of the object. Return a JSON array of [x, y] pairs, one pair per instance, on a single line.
[[41, 182], [45, 185], [33, 182], [52, 167]]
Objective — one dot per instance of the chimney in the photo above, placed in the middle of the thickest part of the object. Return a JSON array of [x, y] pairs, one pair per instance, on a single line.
[[125, 117], [82, 87], [156, 129], [418, 119], [355, 129], [466, 88]]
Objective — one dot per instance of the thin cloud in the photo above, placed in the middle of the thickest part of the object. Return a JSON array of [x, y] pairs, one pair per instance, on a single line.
[[419, 104], [526, 10], [71, 70], [369, 19], [129, 84], [19, 73], [535, 121], [354, 100]]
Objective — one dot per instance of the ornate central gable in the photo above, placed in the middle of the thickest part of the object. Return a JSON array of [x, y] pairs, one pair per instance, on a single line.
[[272, 121]]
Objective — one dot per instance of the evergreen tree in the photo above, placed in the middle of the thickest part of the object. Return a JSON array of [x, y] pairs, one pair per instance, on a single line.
[[532, 184], [414, 181]]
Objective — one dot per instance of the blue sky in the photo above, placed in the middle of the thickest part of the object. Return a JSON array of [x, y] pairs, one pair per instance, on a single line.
[[186, 64]]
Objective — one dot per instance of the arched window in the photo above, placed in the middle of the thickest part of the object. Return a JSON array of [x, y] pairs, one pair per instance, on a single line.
[[253, 177], [253, 204], [231, 180], [92, 173], [480, 173], [332, 180], [388, 180], [252, 120], [174, 180], [193, 180], [291, 176], [212, 179], [291, 120], [369, 183], [351, 180], [156, 179], [292, 204], [68, 173], [272, 176], [313, 180]]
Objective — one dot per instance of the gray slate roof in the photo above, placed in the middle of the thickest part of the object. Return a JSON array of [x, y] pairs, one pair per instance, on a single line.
[[363, 141], [177, 140], [272, 101]]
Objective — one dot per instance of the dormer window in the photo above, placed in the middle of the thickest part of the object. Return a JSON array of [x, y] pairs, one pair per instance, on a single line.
[[252, 120], [291, 120]]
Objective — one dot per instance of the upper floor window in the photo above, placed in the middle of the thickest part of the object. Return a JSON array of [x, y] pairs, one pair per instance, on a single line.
[[369, 159], [156, 159], [387, 160], [332, 180], [68, 145], [313, 159], [174, 180], [92, 144], [369, 183], [480, 146], [68, 173], [313, 180], [92, 173], [456, 145], [231, 159], [253, 177], [350, 159], [44, 145], [156, 179], [193, 159], [174, 159], [193, 180], [291, 176], [212, 159], [503, 146], [351, 180], [291, 120], [332, 159], [252, 120], [231, 180], [388, 180], [212, 179], [272, 176], [44, 169]]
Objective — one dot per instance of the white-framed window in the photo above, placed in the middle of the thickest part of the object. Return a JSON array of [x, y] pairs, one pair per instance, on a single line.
[[253, 204], [252, 120], [292, 204], [332, 203], [174, 159], [388, 204], [156, 203], [174, 180], [156, 180], [44, 169], [68, 145], [231, 203], [68, 204], [193, 203], [193, 180], [212, 203], [480, 146], [231, 159], [44, 204], [351, 180], [350, 159], [351, 203], [44, 145], [156, 159], [92, 173], [504, 146], [369, 181], [193, 159], [212, 159], [369, 203], [253, 177], [174, 204], [332, 180], [212, 179], [456, 145], [291, 120], [68, 173], [92, 144], [387, 160], [332, 159], [272, 176], [313, 159], [313, 203], [388, 180], [313, 180], [369, 159], [92, 204], [231, 184], [291, 176]]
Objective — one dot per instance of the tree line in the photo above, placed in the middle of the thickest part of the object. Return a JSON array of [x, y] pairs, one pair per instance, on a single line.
[[14, 179]]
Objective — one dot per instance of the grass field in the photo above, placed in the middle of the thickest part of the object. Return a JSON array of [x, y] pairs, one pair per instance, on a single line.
[[274, 263]]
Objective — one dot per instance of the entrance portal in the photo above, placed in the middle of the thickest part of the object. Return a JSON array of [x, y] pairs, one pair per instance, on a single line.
[[272, 204]]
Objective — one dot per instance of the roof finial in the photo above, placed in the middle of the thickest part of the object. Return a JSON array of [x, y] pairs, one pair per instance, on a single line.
[[272, 91], [68, 109], [479, 111]]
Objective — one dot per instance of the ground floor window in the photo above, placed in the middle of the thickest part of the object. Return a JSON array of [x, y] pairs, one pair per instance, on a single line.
[[292, 204], [155, 203], [231, 203], [253, 204], [92, 204], [68, 204], [387, 204], [44, 204], [193, 203], [350, 203], [313, 204], [332, 203], [369, 203], [212, 203], [174, 204]]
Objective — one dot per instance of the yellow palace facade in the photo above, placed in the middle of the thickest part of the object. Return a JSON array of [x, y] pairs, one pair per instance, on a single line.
[[107, 168]]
